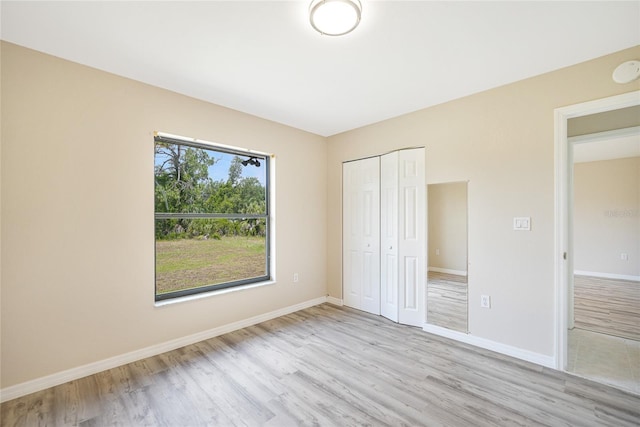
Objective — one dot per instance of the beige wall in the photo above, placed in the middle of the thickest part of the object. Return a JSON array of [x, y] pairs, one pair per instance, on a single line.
[[502, 142], [448, 226], [77, 215], [607, 216], [77, 206]]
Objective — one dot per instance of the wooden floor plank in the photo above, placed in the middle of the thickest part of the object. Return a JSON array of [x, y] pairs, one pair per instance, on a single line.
[[332, 366], [607, 306]]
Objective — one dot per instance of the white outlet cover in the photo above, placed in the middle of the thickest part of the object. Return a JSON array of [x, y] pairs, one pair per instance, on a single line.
[[485, 301]]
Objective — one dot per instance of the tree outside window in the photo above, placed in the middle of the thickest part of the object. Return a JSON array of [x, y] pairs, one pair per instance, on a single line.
[[211, 217]]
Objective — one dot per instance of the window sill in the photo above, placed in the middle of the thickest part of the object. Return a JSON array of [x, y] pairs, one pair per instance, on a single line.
[[212, 293]]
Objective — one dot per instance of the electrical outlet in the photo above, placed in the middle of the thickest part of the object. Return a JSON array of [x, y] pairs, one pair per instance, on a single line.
[[437, 251], [624, 257], [295, 277], [485, 301]]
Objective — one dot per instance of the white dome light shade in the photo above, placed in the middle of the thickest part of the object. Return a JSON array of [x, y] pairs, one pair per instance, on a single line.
[[335, 17], [627, 72]]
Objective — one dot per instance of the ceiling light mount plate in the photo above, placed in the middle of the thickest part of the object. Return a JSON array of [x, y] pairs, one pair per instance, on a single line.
[[335, 17], [626, 72]]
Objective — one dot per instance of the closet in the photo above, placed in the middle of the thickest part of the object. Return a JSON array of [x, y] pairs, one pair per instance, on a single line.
[[384, 236]]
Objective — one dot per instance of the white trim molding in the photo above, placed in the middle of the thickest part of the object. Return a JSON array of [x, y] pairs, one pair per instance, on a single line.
[[448, 271], [518, 353], [605, 135], [335, 301], [607, 275], [58, 378]]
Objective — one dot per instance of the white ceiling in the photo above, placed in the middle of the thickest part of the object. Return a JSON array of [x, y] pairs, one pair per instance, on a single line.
[[263, 57]]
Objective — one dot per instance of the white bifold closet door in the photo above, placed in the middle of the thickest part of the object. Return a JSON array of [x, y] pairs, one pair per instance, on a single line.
[[403, 236], [389, 236], [361, 234], [396, 274]]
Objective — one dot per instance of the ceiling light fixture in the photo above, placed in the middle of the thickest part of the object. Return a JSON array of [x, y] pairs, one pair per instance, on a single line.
[[627, 72], [335, 17]]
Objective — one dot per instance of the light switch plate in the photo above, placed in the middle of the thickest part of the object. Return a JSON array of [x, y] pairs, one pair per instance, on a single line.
[[522, 223]]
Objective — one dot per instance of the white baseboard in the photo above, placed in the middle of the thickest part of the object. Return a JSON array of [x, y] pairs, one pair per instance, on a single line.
[[518, 353], [58, 378], [335, 301], [607, 275], [448, 271]]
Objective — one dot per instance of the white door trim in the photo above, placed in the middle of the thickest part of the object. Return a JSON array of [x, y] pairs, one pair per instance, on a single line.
[[563, 241]]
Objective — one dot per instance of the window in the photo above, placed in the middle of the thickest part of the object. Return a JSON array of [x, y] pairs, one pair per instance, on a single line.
[[211, 217]]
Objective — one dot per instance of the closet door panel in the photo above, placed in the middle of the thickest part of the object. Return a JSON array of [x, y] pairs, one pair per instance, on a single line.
[[412, 240], [361, 234], [389, 235], [410, 283], [390, 290], [353, 278], [410, 212]]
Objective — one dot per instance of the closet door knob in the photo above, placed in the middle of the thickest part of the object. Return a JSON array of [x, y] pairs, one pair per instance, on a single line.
[[390, 247]]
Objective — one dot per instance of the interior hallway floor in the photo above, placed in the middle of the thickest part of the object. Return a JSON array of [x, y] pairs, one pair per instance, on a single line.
[[604, 358]]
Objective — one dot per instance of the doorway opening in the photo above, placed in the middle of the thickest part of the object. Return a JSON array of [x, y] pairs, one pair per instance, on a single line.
[[596, 254]]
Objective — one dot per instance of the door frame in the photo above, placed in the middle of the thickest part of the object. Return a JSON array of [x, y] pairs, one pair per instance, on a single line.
[[563, 254]]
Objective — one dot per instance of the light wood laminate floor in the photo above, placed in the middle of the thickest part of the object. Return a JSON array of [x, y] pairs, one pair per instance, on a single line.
[[607, 306], [327, 366], [447, 296]]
